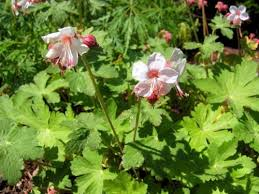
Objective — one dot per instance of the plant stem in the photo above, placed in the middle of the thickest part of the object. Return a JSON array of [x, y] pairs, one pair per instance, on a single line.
[[239, 36], [192, 22], [101, 101], [204, 21], [137, 120]]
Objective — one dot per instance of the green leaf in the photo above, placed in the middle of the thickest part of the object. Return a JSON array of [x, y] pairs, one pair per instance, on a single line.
[[248, 131], [221, 23], [132, 158], [152, 113], [16, 145], [107, 71], [42, 88], [207, 126], [222, 161], [192, 45], [208, 47], [80, 82], [124, 184], [238, 89], [89, 172]]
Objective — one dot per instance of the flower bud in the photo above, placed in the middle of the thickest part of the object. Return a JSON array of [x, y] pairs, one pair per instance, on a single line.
[[89, 40]]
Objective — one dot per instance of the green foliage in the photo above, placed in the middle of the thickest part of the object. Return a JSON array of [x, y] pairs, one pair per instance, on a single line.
[[16, 145], [203, 142], [237, 89]]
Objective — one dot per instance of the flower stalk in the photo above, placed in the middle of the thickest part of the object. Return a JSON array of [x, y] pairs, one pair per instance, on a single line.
[[101, 101], [137, 120], [204, 21]]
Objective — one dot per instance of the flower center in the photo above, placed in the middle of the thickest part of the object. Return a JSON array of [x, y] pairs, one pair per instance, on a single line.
[[66, 39], [238, 12], [152, 73]]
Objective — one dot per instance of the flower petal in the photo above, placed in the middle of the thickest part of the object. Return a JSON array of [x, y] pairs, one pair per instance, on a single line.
[[244, 16], [68, 31], [139, 71], [233, 9], [54, 51], [163, 88], [180, 66], [231, 17], [168, 75], [242, 9], [177, 55], [52, 37], [22, 3], [143, 88], [79, 46], [156, 61]]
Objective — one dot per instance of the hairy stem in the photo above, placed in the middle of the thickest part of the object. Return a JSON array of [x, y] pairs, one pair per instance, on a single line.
[[137, 120], [204, 21], [192, 22], [101, 101]]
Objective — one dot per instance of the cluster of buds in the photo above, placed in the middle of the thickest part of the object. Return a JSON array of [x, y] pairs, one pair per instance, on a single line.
[[66, 45], [237, 15], [158, 76], [22, 5], [221, 7], [200, 3]]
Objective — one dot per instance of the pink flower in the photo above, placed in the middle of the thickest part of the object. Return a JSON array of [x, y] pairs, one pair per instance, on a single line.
[[155, 78], [237, 15], [64, 47], [220, 6]]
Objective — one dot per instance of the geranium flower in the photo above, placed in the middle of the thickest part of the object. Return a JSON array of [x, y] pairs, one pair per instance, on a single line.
[[155, 78], [178, 63], [64, 47], [237, 14], [22, 5], [220, 6]]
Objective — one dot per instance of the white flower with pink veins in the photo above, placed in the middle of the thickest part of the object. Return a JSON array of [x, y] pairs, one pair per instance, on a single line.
[[155, 78], [237, 14], [22, 5], [64, 47]]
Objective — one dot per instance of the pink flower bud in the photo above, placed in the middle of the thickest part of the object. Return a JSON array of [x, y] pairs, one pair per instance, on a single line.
[[202, 3], [251, 35], [190, 2], [152, 98], [89, 40], [167, 36]]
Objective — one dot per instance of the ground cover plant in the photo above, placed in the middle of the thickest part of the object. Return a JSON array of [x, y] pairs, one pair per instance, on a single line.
[[129, 97]]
